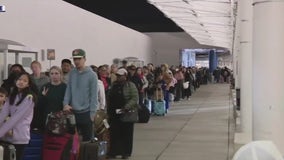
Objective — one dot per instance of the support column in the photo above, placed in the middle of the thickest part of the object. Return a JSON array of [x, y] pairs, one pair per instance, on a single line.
[[245, 135], [213, 60], [236, 50], [268, 74]]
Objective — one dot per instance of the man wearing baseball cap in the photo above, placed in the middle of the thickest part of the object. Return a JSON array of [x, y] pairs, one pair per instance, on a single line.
[[81, 96]]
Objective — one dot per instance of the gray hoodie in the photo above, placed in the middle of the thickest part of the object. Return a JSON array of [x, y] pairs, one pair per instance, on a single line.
[[82, 90]]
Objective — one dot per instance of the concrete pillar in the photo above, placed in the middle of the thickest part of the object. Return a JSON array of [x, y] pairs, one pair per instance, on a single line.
[[268, 74], [236, 50], [213, 60], [246, 71]]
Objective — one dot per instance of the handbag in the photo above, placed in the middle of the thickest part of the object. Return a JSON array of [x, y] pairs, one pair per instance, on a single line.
[[185, 85], [60, 122], [129, 116]]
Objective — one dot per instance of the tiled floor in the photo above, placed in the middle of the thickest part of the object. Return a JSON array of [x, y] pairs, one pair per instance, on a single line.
[[199, 129]]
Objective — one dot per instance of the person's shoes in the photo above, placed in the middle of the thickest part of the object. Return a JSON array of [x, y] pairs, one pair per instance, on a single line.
[[125, 157]]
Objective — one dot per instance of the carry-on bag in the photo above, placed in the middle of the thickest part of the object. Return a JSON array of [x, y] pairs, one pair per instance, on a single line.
[[93, 150], [57, 147], [101, 127], [34, 148], [7, 151], [100, 122], [143, 114], [159, 108], [61, 122]]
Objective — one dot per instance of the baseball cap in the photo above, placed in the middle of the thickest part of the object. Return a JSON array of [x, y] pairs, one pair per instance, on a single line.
[[121, 72], [78, 53]]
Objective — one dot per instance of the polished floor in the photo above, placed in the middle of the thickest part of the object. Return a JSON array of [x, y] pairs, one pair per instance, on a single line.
[[199, 129]]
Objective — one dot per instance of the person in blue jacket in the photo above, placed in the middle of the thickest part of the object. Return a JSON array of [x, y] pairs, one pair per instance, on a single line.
[[81, 96]]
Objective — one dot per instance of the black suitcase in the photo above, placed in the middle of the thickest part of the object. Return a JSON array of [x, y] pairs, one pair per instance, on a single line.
[[7, 151], [93, 150], [143, 114]]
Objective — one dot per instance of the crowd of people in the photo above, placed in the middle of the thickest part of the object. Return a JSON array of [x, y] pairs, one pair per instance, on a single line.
[[26, 99]]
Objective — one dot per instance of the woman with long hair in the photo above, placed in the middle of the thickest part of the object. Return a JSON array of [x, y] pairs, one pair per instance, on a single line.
[[51, 95], [141, 89], [14, 71], [19, 107]]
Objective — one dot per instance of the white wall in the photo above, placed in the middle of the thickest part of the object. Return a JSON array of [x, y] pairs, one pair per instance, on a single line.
[[167, 45], [55, 24]]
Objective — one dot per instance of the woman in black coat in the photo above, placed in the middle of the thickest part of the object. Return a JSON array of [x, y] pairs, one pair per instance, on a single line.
[[122, 96]]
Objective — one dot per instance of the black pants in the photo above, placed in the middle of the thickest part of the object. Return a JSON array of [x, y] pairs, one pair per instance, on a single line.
[[121, 135], [20, 150], [84, 125], [187, 92], [179, 88], [141, 98]]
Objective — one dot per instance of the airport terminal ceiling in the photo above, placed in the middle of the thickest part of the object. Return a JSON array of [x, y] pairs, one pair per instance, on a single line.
[[135, 14], [210, 22]]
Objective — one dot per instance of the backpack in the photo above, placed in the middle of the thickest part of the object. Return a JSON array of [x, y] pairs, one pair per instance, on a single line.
[[61, 122], [100, 122]]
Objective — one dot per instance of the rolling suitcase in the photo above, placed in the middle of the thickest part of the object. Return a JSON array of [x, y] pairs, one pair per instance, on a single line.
[[34, 148], [159, 108], [7, 151], [143, 114], [93, 150], [57, 147]]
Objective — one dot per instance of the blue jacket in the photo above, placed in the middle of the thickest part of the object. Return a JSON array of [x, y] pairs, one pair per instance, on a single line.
[[82, 90]]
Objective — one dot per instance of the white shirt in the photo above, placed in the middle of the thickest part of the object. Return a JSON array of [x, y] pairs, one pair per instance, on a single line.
[[101, 95]]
